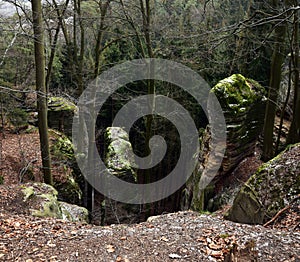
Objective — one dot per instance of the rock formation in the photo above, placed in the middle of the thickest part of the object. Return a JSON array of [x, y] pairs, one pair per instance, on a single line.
[[276, 184], [243, 102]]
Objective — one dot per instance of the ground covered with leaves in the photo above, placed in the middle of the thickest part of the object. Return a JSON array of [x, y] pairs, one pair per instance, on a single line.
[[182, 236]]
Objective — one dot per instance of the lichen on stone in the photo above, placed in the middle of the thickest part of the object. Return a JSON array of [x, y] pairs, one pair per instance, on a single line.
[[274, 186], [62, 153], [119, 157], [42, 199], [60, 104]]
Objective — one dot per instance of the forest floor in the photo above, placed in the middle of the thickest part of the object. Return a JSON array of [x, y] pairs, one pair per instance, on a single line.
[[181, 236]]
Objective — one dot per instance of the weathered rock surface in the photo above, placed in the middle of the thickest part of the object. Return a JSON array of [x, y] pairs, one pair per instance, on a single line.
[[74, 213], [60, 114], [119, 159], [243, 102], [62, 155], [119, 156], [41, 200], [275, 185]]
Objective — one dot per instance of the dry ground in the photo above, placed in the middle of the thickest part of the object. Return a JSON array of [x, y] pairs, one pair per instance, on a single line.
[[182, 236]]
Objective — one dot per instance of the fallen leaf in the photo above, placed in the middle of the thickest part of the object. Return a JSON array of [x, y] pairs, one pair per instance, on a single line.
[[214, 246], [123, 238], [164, 239], [174, 256], [110, 248], [216, 254]]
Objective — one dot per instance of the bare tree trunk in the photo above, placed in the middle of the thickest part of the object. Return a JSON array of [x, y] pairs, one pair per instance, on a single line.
[[52, 56], [294, 132], [100, 33], [276, 64], [41, 89]]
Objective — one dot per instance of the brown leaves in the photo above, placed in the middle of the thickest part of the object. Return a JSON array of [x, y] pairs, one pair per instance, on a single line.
[[110, 248]]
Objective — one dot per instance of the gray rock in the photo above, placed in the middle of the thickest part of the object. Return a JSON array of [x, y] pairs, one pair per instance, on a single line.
[[41, 200], [243, 102], [74, 213], [60, 114], [119, 156], [275, 185], [62, 154]]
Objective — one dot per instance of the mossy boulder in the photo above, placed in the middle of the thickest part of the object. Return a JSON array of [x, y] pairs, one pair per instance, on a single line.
[[275, 185], [60, 114], [66, 174], [119, 154], [41, 200], [242, 101]]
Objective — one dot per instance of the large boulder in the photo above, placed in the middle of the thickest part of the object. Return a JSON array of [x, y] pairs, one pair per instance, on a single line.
[[119, 156], [275, 185], [41, 200], [243, 102], [60, 114]]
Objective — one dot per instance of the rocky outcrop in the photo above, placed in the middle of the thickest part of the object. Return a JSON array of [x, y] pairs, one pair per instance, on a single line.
[[66, 175], [243, 102], [41, 200], [119, 159], [119, 154], [60, 114], [275, 185]]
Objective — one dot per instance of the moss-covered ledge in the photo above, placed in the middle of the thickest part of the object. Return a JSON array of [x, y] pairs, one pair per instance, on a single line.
[[60, 114]]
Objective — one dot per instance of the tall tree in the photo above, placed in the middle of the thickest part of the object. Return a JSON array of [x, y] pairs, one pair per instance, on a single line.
[[41, 88], [275, 78], [294, 132]]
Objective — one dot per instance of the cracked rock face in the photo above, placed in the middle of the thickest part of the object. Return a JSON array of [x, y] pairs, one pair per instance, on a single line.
[[276, 184], [243, 103]]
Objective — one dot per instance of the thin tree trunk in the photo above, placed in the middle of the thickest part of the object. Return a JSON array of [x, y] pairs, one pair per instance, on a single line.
[[52, 56], [100, 33], [294, 132], [276, 64], [41, 89]]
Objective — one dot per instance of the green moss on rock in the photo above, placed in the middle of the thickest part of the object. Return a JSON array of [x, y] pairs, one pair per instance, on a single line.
[[119, 156], [242, 101], [42, 200], [274, 185], [60, 104], [236, 93], [62, 153], [60, 114]]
